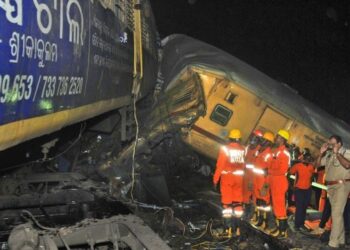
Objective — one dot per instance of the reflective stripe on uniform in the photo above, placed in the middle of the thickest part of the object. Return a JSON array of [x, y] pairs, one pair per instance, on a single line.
[[284, 152], [227, 213], [236, 172], [250, 166], [238, 213], [225, 150], [287, 154], [258, 171], [267, 157], [264, 208]]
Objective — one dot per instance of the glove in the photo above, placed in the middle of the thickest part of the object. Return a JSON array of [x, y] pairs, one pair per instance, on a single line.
[[265, 189], [215, 187]]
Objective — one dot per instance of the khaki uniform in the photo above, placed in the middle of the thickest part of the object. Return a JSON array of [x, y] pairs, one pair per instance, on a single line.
[[337, 193]]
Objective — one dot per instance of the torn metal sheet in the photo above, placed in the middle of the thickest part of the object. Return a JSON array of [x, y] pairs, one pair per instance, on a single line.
[[119, 231]]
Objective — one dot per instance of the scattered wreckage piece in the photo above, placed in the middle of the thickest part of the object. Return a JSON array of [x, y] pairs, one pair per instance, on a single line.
[[61, 197], [54, 198], [43, 183], [123, 231]]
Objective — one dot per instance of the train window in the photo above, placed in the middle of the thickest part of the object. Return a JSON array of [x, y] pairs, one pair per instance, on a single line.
[[221, 115], [230, 97]]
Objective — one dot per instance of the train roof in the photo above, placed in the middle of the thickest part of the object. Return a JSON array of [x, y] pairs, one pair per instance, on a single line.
[[182, 51]]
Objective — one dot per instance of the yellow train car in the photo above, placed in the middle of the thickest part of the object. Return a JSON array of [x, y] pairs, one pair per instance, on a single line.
[[239, 96]]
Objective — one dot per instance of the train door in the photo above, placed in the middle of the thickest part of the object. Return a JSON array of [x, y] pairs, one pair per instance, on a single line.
[[273, 121]]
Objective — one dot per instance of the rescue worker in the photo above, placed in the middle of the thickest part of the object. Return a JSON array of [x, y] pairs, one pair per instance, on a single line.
[[261, 184], [336, 160], [303, 172], [230, 172], [295, 157], [279, 183], [251, 149]]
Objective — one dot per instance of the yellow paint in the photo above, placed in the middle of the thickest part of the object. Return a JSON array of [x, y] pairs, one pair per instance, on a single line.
[[305, 137], [272, 121], [14, 133], [249, 112]]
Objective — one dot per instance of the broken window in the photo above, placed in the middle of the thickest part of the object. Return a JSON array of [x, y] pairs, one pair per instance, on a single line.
[[221, 115]]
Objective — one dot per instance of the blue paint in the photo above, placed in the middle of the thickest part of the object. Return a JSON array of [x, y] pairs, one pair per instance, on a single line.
[[45, 45]]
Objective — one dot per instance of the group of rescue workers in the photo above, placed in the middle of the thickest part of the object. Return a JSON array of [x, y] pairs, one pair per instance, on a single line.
[[257, 176]]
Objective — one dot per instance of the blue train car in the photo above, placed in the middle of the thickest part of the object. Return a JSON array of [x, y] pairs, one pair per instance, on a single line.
[[64, 61]]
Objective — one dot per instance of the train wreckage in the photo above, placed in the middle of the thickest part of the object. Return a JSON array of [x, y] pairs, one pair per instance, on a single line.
[[108, 135]]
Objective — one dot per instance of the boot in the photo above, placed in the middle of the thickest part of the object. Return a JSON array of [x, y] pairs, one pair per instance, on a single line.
[[260, 219], [281, 232], [228, 233], [283, 228], [228, 223], [254, 220], [235, 227], [264, 225], [274, 230], [241, 232]]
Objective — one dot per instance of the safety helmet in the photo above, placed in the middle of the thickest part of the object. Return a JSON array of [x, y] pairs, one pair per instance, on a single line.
[[258, 133], [269, 136], [284, 134], [235, 134]]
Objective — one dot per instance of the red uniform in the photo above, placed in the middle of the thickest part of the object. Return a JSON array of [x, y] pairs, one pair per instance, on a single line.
[[261, 165], [320, 176], [249, 175], [278, 180], [304, 174], [321, 195], [230, 172]]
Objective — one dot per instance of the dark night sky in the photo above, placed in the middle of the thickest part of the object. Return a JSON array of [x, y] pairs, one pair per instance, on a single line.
[[305, 44]]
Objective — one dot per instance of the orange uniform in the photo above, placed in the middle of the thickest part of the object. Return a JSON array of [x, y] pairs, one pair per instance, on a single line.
[[261, 164], [320, 175], [320, 195], [278, 180], [230, 172], [304, 174], [249, 175]]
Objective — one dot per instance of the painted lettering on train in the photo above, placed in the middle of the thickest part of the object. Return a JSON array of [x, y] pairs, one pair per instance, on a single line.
[[71, 52]]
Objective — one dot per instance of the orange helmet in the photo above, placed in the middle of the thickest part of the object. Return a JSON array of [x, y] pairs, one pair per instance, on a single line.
[[268, 136]]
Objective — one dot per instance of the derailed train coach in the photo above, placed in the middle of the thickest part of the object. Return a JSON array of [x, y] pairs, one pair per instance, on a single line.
[[239, 96], [66, 61]]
